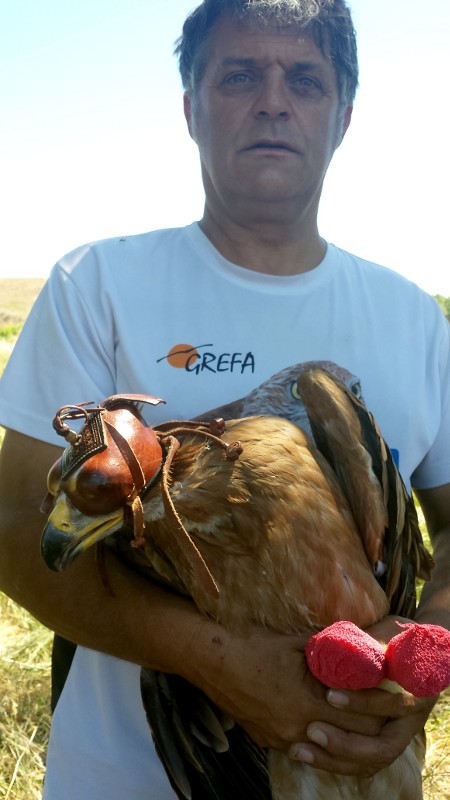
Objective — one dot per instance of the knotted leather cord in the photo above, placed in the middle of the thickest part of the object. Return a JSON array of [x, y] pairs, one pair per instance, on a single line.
[[171, 444], [209, 430], [166, 434]]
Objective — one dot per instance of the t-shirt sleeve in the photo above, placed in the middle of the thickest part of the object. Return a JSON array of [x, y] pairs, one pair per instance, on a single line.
[[64, 354], [434, 469]]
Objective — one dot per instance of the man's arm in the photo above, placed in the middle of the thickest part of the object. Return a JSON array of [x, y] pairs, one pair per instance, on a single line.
[[435, 600], [261, 681], [74, 604]]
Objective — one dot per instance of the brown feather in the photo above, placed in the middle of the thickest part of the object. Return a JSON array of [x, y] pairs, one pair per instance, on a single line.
[[274, 528]]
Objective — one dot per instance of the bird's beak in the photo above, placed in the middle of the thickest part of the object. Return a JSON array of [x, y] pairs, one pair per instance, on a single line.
[[69, 532]]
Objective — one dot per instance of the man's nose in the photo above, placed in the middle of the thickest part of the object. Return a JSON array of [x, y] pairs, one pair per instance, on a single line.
[[273, 100]]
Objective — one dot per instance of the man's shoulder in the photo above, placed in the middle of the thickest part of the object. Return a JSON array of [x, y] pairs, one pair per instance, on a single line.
[[116, 246], [363, 269], [118, 258], [383, 289]]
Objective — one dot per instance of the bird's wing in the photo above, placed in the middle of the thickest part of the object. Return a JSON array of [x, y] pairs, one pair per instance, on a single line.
[[348, 436], [205, 755]]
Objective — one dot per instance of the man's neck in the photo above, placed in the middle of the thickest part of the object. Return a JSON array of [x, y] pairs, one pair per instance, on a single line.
[[269, 248]]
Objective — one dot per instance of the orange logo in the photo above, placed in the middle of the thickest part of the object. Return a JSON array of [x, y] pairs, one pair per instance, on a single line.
[[182, 354], [187, 357]]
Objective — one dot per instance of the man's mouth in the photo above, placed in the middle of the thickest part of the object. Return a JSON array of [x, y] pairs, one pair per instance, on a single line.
[[274, 145]]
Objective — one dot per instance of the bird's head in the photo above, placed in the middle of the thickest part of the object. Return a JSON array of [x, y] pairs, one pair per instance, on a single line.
[[103, 471], [281, 394]]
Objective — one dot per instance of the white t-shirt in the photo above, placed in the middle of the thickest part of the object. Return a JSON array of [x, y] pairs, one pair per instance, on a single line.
[[164, 313]]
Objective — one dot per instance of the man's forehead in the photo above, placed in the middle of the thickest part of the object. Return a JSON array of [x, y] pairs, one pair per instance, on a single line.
[[247, 40]]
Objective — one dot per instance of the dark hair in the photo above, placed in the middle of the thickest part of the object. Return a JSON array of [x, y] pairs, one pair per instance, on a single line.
[[329, 21]]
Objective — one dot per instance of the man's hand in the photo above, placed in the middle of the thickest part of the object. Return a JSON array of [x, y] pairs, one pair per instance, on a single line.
[[342, 750], [263, 682], [394, 718]]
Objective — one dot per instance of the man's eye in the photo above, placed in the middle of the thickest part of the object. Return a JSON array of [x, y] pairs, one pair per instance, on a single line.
[[238, 78], [306, 85]]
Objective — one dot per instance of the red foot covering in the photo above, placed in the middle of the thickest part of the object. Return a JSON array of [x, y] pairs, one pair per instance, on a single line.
[[343, 656], [419, 659]]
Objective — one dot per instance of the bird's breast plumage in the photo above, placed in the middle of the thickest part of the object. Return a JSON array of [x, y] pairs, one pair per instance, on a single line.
[[274, 528]]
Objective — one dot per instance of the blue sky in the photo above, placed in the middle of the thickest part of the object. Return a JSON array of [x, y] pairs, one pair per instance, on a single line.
[[93, 141]]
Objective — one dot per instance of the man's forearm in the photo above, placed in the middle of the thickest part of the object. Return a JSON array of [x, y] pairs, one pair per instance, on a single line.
[[135, 620], [130, 617], [434, 606]]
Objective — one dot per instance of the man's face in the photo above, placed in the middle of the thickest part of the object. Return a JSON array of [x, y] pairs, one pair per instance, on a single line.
[[266, 118]]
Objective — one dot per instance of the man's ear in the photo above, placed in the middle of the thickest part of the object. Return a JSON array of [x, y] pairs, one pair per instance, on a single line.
[[344, 124], [187, 103]]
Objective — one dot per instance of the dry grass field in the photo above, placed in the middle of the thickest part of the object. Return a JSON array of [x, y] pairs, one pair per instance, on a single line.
[[24, 643], [25, 652], [16, 298]]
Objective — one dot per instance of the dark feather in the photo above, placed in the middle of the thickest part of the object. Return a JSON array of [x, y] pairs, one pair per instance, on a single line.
[[189, 737], [403, 552]]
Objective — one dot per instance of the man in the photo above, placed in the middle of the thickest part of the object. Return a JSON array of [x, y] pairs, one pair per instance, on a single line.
[[269, 92]]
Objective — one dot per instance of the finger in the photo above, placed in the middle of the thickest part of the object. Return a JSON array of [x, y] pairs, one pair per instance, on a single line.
[[349, 753], [381, 703], [281, 737], [364, 724], [320, 759]]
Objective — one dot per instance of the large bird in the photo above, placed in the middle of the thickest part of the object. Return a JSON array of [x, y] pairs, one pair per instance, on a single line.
[[257, 524]]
